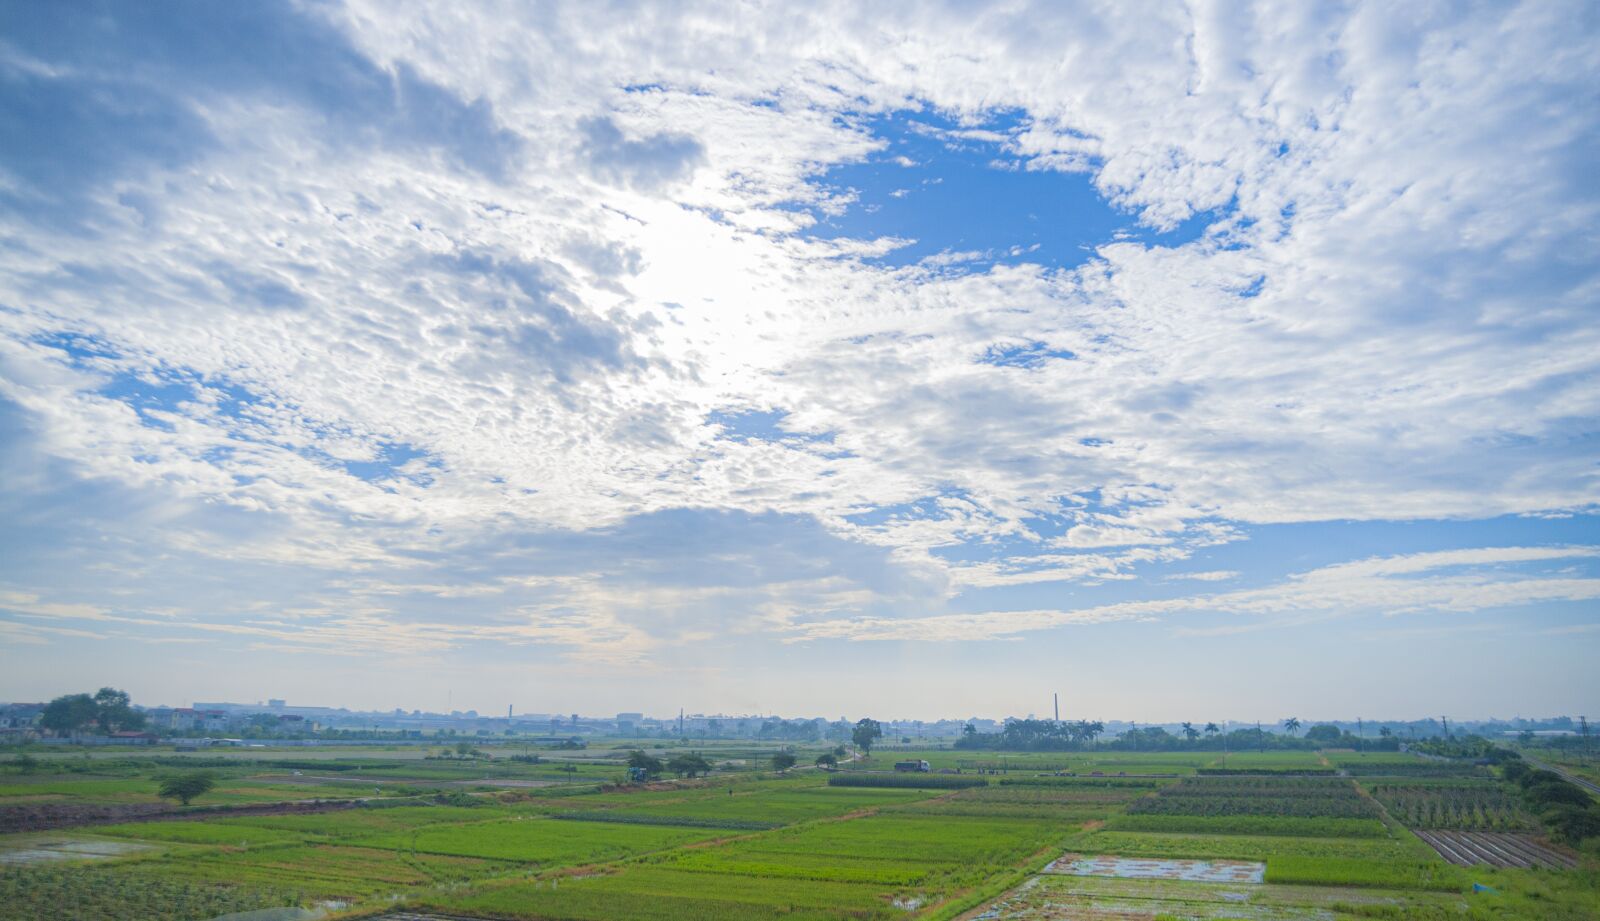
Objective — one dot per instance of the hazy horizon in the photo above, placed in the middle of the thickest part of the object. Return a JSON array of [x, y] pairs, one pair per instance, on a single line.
[[1192, 363]]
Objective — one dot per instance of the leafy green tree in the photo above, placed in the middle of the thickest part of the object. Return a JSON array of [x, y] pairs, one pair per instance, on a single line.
[[114, 711], [69, 713], [688, 764], [1189, 732], [839, 752], [866, 732], [827, 761], [185, 787], [782, 761], [1324, 733], [1573, 823], [651, 766], [1291, 725], [1212, 729]]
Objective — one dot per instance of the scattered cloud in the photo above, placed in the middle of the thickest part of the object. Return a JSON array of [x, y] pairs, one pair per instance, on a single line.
[[305, 311]]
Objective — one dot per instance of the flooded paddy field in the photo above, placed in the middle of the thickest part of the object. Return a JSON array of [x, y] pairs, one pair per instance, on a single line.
[[23, 851], [1195, 871]]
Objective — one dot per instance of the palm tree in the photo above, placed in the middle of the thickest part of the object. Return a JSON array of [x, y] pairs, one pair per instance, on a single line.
[[1212, 729], [1292, 724], [1189, 731]]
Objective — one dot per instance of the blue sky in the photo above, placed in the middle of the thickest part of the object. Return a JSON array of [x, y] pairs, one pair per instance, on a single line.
[[1192, 363]]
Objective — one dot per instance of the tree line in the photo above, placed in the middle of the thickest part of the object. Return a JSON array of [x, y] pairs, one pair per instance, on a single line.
[[1081, 735], [106, 711]]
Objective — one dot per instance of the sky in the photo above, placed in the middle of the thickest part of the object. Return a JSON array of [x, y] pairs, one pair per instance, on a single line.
[[1189, 360]]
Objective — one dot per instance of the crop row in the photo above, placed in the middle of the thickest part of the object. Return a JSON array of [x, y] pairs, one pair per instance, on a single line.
[[1474, 808], [907, 781], [1304, 797], [1302, 806], [1415, 769], [630, 818], [1387, 874], [1121, 783], [1264, 785], [652, 893], [1111, 840], [1316, 826], [103, 894]]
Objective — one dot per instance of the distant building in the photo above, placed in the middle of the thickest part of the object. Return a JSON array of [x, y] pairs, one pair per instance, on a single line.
[[130, 737], [21, 716]]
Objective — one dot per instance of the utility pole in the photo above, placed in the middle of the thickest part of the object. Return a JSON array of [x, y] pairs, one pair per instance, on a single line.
[[1583, 730], [1056, 697]]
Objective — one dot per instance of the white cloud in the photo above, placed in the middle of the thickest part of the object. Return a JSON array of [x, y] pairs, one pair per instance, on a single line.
[[539, 267], [1393, 585], [1210, 575]]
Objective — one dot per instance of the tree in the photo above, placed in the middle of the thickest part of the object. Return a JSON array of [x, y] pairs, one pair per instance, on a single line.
[[867, 731], [688, 764], [114, 711], [109, 710], [839, 752], [782, 761], [69, 713], [827, 761], [649, 766], [1212, 729], [1292, 725], [1088, 730], [1189, 732], [1324, 734], [185, 787], [969, 730]]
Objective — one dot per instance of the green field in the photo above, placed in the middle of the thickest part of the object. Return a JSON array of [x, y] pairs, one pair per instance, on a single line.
[[754, 844]]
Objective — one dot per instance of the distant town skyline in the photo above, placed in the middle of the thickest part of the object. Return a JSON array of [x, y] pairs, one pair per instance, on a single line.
[[901, 360]]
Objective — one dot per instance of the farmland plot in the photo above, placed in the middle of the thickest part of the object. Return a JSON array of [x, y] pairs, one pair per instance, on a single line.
[[540, 841], [1196, 871], [49, 849], [1304, 797], [1452, 805], [1064, 898], [107, 894], [1466, 848]]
